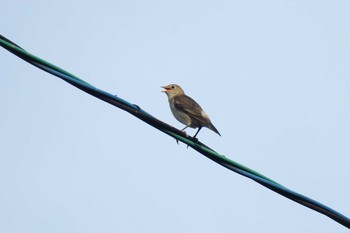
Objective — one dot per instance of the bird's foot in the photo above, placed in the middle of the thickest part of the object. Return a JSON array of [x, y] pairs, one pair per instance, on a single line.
[[196, 140], [185, 133]]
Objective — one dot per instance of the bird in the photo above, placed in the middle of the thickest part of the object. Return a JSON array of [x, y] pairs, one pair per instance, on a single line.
[[187, 110]]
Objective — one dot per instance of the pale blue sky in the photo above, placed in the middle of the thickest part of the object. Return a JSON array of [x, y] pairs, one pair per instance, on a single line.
[[272, 75]]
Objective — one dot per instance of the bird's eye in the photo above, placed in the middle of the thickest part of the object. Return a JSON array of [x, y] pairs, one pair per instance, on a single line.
[[172, 87]]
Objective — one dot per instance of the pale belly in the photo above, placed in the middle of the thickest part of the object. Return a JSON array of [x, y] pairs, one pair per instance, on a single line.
[[180, 116]]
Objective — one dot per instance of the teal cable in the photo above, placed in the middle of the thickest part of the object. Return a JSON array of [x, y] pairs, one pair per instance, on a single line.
[[177, 134]]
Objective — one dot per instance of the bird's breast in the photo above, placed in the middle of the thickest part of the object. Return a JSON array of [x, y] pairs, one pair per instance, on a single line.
[[180, 116]]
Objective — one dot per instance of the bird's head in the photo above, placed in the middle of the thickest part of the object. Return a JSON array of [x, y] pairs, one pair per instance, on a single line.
[[173, 90]]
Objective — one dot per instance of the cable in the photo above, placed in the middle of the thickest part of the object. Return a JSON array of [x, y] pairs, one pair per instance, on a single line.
[[173, 132]]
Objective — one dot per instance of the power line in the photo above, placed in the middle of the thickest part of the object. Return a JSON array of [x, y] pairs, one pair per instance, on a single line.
[[173, 132]]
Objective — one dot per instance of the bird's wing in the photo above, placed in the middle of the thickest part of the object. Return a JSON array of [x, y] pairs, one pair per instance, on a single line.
[[187, 105]]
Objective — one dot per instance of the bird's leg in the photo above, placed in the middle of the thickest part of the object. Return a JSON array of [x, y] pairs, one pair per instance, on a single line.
[[185, 128], [200, 127], [177, 141], [194, 137]]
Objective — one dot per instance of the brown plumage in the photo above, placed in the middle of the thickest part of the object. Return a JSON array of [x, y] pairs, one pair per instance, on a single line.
[[186, 110]]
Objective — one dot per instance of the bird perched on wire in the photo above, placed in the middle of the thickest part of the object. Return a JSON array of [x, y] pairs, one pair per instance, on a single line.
[[186, 110]]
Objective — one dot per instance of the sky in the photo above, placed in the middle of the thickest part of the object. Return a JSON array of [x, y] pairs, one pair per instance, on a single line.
[[272, 75]]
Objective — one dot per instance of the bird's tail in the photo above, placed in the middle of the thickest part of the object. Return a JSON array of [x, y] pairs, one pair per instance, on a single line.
[[212, 127]]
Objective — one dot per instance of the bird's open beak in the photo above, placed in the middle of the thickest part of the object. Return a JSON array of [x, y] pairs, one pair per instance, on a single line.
[[166, 89]]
